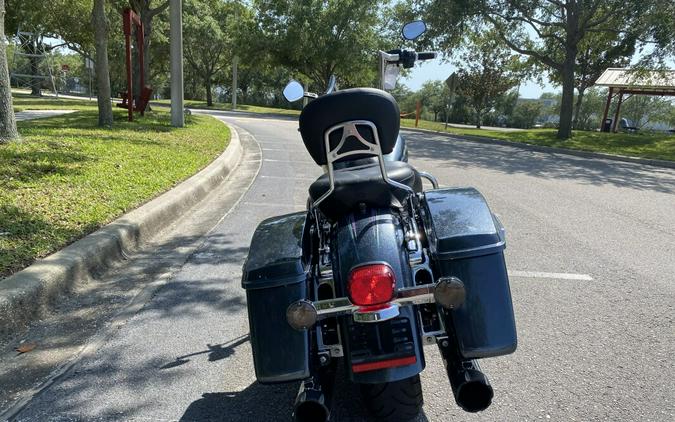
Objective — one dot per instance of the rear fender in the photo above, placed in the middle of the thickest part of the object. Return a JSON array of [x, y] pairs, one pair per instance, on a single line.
[[376, 235]]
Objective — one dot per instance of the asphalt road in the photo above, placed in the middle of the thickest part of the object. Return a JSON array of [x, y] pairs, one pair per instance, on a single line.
[[596, 337]]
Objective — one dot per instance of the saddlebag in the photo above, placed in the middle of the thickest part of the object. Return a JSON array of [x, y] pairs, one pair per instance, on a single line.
[[467, 241], [274, 276]]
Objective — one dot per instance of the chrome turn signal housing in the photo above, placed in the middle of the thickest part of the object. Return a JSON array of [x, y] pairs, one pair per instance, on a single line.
[[301, 315], [449, 292]]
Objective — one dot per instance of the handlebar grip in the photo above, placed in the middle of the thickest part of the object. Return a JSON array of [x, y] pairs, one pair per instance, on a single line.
[[427, 55]]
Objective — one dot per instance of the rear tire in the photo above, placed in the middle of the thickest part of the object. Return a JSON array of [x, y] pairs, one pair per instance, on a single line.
[[397, 401]]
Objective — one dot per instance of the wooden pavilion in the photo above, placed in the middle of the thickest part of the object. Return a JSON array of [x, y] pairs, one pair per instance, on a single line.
[[629, 82]]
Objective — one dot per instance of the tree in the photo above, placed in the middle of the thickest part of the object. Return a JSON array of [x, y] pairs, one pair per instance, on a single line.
[[670, 118], [526, 113], [658, 29], [206, 41], [318, 38], [54, 18], [213, 32], [434, 96], [100, 24], [589, 113], [7, 119], [548, 31], [597, 52], [643, 109], [490, 71], [405, 98], [505, 106]]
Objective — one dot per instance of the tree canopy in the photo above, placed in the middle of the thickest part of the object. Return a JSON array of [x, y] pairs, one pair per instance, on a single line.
[[570, 41], [489, 71], [318, 38], [551, 32]]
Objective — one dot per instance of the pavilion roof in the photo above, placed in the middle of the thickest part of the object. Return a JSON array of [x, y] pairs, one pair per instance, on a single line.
[[638, 80]]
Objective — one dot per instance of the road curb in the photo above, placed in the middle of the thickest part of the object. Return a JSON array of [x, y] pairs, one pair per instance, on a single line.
[[28, 294], [551, 150]]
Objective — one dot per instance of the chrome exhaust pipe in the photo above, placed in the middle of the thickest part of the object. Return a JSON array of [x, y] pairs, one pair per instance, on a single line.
[[311, 404], [471, 388]]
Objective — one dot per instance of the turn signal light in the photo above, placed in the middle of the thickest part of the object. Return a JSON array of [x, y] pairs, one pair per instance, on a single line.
[[371, 285]]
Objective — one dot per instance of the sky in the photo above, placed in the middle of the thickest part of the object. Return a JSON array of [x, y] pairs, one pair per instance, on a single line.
[[438, 70]]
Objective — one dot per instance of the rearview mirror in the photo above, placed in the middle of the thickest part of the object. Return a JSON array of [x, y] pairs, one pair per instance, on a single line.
[[412, 30], [294, 91]]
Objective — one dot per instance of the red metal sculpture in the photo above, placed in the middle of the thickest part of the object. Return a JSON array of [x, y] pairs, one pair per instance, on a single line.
[[132, 21]]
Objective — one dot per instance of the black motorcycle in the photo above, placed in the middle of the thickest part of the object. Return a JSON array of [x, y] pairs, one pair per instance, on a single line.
[[377, 267]]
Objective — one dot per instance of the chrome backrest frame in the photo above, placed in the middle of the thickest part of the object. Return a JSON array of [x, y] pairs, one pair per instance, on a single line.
[[349, 129]]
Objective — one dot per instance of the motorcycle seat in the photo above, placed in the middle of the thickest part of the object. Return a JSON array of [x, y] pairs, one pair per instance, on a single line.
[[364, 185]]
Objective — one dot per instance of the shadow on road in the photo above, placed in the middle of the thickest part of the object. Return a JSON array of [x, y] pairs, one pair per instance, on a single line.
[[216, 352], [81, 314], [259, 402], [448, 152], [256, 402]]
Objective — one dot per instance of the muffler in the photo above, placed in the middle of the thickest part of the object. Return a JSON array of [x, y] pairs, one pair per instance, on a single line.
[[470, 386], [311, 404]]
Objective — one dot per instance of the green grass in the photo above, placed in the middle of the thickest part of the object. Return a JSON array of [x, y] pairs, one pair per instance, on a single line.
[[25, 101], [645, 145], [240, 107], [66, 177]]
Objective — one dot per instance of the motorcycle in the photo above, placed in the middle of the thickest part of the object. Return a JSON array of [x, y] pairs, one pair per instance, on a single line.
[[377, 267]]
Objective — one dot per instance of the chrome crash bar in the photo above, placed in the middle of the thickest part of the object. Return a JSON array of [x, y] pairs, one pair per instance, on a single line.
[[448, 292]]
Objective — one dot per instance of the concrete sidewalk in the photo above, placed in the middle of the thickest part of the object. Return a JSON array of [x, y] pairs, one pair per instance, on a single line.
[[40, 114]]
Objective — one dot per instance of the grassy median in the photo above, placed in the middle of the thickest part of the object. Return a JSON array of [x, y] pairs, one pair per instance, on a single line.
[[66, 177], [646, 145]]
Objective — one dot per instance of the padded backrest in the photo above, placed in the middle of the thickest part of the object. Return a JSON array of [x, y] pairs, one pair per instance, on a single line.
[[369, 104]]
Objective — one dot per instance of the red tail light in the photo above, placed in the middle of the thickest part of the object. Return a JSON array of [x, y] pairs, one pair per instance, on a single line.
[[371, 285]]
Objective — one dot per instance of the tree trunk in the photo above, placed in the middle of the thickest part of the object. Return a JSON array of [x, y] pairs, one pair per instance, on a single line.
[[567, 101], [209, 95], [479, 116], [147, 30], [577, 107], [7, 119], [35, 82], [100, 22], [244, 93]]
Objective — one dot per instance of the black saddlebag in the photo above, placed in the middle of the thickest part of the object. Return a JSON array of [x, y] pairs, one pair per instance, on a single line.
[[275, 275], [467, 241]]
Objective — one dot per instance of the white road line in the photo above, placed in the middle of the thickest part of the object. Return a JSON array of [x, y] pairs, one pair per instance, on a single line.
[[267, 119], [289, 161], [289, 178], [296, 150], [271, 204], [561, 276]]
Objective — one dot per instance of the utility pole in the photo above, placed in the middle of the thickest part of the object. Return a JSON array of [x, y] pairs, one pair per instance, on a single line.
[[235, 62], [176, 18]]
